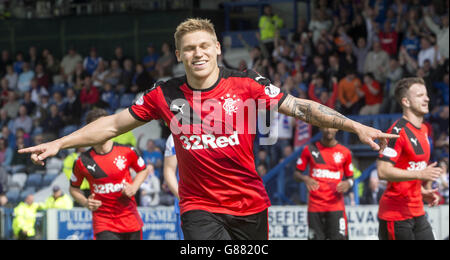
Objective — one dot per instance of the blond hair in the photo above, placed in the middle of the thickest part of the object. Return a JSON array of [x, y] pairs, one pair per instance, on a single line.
[[193, 25]]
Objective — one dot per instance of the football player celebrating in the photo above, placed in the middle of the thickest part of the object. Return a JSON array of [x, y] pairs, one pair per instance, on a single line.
[[405, 165]]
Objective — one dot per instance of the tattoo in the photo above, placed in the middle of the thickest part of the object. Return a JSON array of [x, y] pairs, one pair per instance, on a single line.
[[320, 115]]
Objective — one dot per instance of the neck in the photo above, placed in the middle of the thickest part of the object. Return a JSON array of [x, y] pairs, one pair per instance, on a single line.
[[415, 119], [203, 83], [328, 143], [104, 148]]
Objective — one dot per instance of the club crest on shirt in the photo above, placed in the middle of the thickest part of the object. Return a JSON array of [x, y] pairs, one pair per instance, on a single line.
[[338, 157], [229, 104], [119, 161]]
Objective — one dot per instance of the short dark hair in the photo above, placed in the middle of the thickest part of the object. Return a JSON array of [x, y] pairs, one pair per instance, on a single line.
[[403, 86], [95, 114]]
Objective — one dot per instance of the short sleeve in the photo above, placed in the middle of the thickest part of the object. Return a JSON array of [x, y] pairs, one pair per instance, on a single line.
[[77, 176], [394, 149], [170, 147], [264, 92], [137, 162], [303, 161], [348, 166], [146, 107]]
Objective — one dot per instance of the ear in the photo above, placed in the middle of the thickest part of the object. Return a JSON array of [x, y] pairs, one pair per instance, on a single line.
[[406, 102], [218, 48], [178, 54]]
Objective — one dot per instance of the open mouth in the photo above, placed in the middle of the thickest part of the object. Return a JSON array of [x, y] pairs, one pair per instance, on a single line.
[[199, 64]]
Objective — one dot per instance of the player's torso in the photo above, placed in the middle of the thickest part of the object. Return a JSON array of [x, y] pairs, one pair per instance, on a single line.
[[404, 199], [327, 168], [213, 133], [107, 174]]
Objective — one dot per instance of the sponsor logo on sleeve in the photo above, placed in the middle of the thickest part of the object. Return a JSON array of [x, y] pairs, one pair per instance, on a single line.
[[389, 152]]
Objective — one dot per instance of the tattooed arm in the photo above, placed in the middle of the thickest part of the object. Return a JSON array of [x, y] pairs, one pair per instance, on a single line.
[[325, 117]]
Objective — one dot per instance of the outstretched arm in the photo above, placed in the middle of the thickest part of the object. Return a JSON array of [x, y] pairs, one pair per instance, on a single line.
[[96, 132], [322, 116]]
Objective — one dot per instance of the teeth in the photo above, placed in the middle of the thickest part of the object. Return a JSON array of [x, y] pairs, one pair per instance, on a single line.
[[199, 63]]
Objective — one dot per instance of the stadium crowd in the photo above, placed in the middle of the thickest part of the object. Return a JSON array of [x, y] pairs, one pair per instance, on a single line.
[[348, 57]]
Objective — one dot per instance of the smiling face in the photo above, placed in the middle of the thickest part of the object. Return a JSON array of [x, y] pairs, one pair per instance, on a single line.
[[198, 51]]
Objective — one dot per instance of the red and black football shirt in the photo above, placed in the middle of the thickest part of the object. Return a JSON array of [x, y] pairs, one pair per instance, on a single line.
[[106, 174], [411, 151], [213, 132], [328, 166]]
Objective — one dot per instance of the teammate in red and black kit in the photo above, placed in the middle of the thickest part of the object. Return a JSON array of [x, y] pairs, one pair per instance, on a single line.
[[222, 196], [404, 164], [106, 166], [330, 176]]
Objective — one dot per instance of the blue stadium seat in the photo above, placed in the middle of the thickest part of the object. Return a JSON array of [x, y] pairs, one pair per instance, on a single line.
[[48, 179], [126, 100], [34, 180], [68, 130], [13, 196]]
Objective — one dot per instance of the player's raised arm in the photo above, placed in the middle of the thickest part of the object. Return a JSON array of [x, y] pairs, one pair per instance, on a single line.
[[96, 132], [325, 117]]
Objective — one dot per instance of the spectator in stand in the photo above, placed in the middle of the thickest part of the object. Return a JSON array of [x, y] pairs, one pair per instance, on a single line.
[[269, 25], [54, 69], [5, 60], [114, 73], [100, 73], [11, 76], [72, 111], [42, 78], [373, 191], [348, 93], [12, 105], [441, 32], [6, 153], [427, 52], [91, 62], [18, 63], [319, 23], [23, 120], [394, 74], [28, 103], [119, 56], [377, 62], [4, 91], [9, 137], [150, 60], [126, 77], [69, 62], [411, 42], [37, 91], [89, 94], [319, 93], [373, 95], [32, 57], [78, 75], [24, 80], [4, 119], [165, 62], [141, 80], [334, 69], [19, 161], [59, 101], [389, 38], [110, 98]]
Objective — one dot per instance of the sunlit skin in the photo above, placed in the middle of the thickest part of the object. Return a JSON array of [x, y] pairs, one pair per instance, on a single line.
[[198, 51]]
